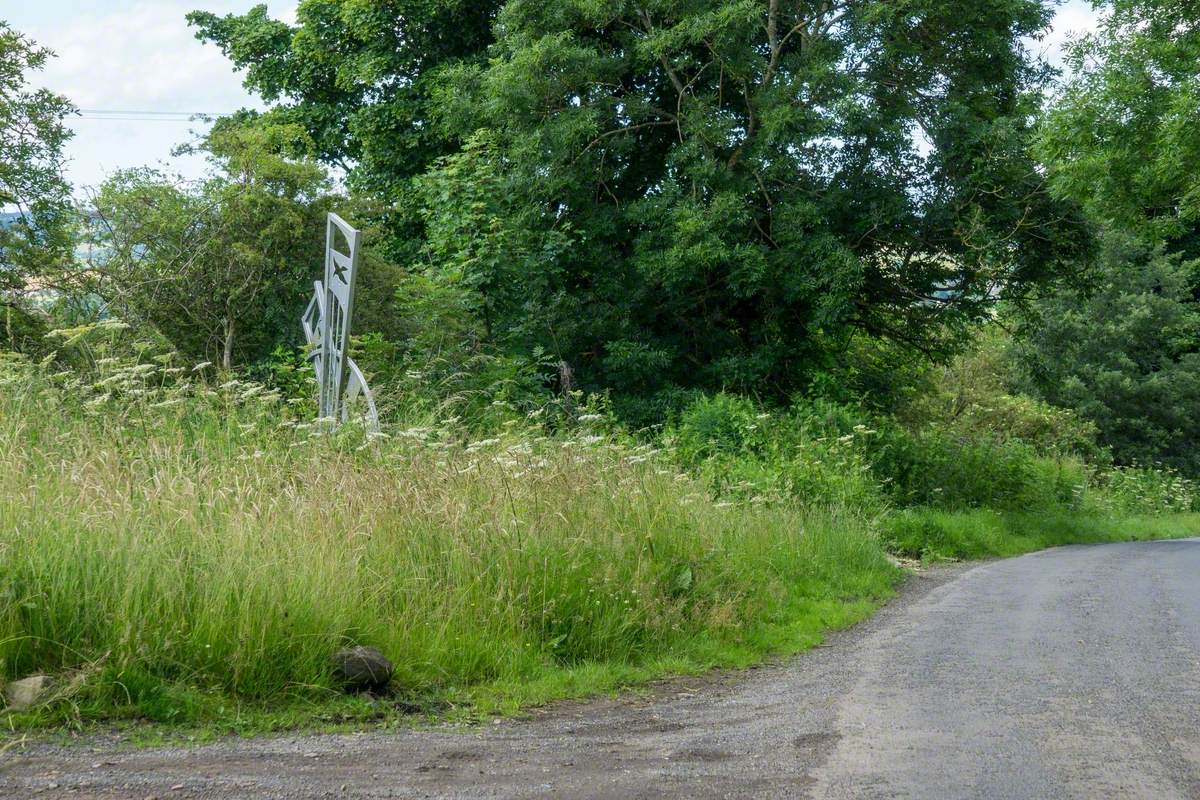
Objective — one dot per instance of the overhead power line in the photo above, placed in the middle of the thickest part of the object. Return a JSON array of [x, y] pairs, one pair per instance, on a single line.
[[135, 119], [155, 113], [128, 115]]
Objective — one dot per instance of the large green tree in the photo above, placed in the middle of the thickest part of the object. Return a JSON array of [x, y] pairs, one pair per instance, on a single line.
[[1124, 137], [672, 194], [1124, 352], [1123, 140], [357, 76], [710, 193]]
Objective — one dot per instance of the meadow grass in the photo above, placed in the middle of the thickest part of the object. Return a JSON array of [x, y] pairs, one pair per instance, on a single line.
[[186, 553], [199, 561], [933, 534]]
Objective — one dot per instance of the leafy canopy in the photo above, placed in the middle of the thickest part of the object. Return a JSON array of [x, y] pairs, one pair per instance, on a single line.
[[1125, 353], [1124, 137], [715, 194], [32, 137], [356, 76], [679, 195], [223, 266]]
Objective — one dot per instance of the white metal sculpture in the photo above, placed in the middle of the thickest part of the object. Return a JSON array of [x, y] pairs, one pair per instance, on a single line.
[[326, 324]]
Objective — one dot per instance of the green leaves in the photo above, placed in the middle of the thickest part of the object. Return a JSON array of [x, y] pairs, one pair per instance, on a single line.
[[32, 137], [1124, 136], [1123, 140], [684, 143], [680, 580], [1125, 353], [720, 189], [220, 267]]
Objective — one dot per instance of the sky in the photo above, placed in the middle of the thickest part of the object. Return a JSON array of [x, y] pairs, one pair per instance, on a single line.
[[140, 56], [133, 55]]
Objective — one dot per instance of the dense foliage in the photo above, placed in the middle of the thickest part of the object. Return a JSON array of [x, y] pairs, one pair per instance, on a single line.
[[218, 268], [703, 194], [1124, 352], [165, 556], [358, 77], [1123, 140], [1124, 137], [32, 136]]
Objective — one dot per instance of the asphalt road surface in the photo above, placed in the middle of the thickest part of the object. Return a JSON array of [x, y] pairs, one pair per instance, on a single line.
[[1072, 673]]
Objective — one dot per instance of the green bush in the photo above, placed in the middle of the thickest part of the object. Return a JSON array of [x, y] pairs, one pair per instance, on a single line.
[[824, 453], [1145, 490], [720, 426], [799, 457], [973, 397], [932, 468]]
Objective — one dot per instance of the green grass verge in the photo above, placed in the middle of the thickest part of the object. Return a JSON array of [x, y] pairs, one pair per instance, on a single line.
[[932, 534], [195, 565]]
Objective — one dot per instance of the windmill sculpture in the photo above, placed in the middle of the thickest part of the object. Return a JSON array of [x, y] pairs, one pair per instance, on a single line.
[[326, 324]]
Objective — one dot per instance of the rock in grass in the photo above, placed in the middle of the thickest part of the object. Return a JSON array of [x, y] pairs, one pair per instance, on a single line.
[[26, 692], [361, 669]]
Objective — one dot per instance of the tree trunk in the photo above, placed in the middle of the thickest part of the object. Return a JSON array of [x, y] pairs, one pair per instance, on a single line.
[[227, 357]]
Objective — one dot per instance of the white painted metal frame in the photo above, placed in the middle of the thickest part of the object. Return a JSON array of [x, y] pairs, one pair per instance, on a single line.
[[326, 323]]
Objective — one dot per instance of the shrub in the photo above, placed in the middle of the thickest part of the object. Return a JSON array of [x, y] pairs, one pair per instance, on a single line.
[[972, 397], [934, 468], [813, 455], [1145, 490], [720, 426]]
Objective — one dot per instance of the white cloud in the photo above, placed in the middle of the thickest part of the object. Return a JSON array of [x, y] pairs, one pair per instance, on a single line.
[[143, 57], [1073, 19], [134, 55]]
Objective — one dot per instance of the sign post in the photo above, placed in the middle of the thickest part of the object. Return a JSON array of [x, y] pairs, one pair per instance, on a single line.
[[326, 324]]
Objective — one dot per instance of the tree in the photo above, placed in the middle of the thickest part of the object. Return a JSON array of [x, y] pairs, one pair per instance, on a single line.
[[717, 194], [1123, 140], [221, 268], [32, 136], [357, 77], [1124, 136], [686, 194], [1125, 353]]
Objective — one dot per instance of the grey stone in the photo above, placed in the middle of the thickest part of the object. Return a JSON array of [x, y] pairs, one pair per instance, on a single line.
[[361, 669], [26, 692]]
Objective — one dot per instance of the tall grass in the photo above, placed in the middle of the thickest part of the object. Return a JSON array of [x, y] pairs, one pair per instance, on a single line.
[[934, 534], [162, 547], [183, 549]]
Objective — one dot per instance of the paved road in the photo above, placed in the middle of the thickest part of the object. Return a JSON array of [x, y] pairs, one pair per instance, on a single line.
[[1073, 673]]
